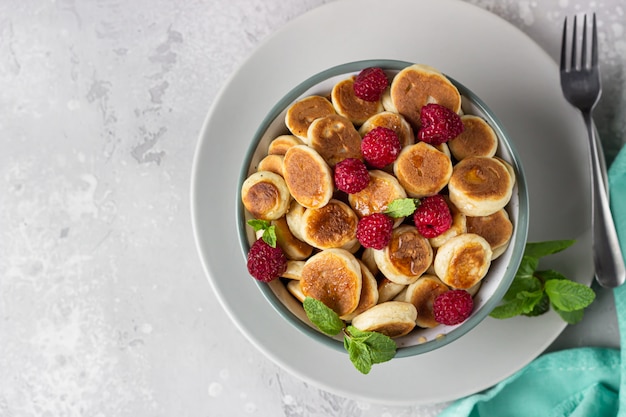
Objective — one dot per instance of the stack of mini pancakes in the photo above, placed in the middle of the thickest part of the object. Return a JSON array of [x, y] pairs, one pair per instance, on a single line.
[[390, 290]]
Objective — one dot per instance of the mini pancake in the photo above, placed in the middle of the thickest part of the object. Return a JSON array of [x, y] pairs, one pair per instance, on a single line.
[[265, 195], [293, 286], [308, 176], [382, 189], [477, 139], [331, 226], [388, 290], [407, 256], [480, 185], [391, 318], [282, 143], [463, 261], [369, 293], [294, 219], [301, 114], [393, 121], [422, 170], [294, 270], [422, 294], [335, 138], [347, 104], [417, 85], [458, 227], [496, 228], [367, 256], [334, 277], [293, 247], [272, 163]]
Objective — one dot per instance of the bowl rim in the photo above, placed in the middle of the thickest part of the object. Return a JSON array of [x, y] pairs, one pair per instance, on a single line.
[[518, 239]]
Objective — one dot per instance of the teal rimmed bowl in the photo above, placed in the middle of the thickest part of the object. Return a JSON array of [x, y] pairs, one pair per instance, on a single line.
[[502, 270]]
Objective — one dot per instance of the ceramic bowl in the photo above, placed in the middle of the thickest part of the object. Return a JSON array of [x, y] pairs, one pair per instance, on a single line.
[[502, 270]]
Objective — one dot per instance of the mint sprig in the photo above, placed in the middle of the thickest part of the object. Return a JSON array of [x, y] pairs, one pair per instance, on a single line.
[[269, 230], [533, 292], [402, 207], [364, 348]]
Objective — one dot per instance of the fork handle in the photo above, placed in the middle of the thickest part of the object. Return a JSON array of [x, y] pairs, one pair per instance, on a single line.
[[607, 254]]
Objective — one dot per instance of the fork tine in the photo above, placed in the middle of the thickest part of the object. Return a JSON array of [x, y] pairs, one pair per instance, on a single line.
[[594, 43], [573, 58], [563, 45], [583, 48]]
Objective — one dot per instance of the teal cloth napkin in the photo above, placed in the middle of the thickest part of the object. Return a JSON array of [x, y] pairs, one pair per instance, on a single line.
[[577, 382]]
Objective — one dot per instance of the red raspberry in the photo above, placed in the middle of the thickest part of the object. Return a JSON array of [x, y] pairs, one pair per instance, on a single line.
[[439, 124], [380, 147], [432, 217], [351, 175], [453, 307], [370, 84], [374, 231], [266, 263]]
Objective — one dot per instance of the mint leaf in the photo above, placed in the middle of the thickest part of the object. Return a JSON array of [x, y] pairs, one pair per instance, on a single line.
[[532, 292], [530, 284], [368, 348], [269, 230], [541, 249], [359, 356], [257, 224], [402, 207], [542, 307], [548, 275], [570, 317], [568, 296], [322, 316], [529, 300], [508, 309], [364, 348], [381, 347], [527, 267]]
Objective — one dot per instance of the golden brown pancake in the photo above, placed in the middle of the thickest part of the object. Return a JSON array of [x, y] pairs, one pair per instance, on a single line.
[[331, 226], [387, 289], [281, 144], [293, 286], [422, 294], [391, 318], [407, 256], [367, 256], [294, 219], [302, 113], [382, 189], [335, 138], [417, 85], [333, 276], [463, 261], [294, 270], [496, 228], [347, 104], [369, 293], [292, 247], [308, 177], [422, 170], [393, 121], [265, 195], [272, 163], [477, 139], [480, 185]]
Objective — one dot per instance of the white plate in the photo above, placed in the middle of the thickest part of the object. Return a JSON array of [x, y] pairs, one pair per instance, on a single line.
[[515, 78]]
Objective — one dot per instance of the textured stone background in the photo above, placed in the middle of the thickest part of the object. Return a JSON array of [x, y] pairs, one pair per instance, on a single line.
[[104, 307]]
